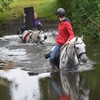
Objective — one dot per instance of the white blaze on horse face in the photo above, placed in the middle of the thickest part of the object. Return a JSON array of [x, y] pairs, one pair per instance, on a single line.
[[80, 50], [42, 36]]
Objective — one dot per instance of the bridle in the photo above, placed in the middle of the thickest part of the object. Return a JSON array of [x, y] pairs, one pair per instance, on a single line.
[[78, 54], [38, 38]]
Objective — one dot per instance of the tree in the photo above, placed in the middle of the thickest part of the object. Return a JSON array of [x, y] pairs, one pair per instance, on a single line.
[[4, 4]]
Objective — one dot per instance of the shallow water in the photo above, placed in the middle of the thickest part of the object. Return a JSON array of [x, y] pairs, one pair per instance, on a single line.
[[30, 79]]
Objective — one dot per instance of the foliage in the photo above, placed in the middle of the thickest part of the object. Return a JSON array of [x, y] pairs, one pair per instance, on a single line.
[[50, 13], [85, 15], [4, 5], [1, 29], [40, 6], [66, 4]]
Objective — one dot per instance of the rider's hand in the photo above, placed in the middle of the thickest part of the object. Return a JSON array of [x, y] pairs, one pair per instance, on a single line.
[[67, 42]]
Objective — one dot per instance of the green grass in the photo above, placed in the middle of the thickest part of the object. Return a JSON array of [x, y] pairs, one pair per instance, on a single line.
[[44, 8]]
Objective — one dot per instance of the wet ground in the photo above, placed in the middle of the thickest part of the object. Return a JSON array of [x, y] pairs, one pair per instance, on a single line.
[[27, 55], [31, 79]]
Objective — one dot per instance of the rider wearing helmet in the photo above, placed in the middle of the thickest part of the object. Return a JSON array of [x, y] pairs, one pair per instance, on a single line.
[[60, 12], [65, 34]]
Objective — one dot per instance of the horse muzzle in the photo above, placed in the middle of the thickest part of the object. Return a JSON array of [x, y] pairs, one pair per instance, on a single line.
[[41, 38], [83, 57]]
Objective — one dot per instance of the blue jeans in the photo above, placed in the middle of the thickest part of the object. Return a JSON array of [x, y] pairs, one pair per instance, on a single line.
[[53, 59]]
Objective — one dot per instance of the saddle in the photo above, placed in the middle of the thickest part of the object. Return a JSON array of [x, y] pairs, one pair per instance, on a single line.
[[57, 58]]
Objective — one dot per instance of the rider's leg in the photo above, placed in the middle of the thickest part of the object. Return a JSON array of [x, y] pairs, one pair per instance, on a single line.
[[53, 56], [47, 55]]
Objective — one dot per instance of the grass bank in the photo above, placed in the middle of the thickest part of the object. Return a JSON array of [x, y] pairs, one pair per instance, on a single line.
[[44, 8]]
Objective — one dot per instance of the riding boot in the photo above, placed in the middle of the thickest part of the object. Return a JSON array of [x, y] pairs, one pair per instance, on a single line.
[[47, 55]]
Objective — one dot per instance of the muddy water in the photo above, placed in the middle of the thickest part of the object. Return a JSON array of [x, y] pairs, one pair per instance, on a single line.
[[30, 78]]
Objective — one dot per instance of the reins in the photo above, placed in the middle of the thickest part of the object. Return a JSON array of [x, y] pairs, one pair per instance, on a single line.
[[78, 55], [66, 54]]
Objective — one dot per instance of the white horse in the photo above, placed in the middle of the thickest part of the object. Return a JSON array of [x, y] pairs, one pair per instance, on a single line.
[[74, 53], [71, 55], [33, 36]]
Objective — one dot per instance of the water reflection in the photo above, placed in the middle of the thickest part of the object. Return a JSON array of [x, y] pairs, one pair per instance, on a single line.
[[74, 86], [17, 84], [71, 86], [23, 86]]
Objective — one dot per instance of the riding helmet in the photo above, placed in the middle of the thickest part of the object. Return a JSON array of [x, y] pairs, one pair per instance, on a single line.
[[60, 12]]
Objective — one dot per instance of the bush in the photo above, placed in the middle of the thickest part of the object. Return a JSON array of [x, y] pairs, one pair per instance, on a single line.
[[85, 16], [5, 4]]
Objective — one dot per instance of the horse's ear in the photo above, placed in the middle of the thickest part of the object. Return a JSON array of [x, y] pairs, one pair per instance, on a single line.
[[82, 37], [76, 38]]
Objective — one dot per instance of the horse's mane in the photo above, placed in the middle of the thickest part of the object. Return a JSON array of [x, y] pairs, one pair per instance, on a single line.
[[70, 46], [72, 43], [76, 40], [70, 54]]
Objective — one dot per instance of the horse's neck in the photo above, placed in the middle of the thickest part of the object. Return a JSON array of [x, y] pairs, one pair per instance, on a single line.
[[71, 54], [70, 51]]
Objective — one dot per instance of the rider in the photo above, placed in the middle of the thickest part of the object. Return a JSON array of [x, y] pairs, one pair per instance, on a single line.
[[38, 24], [65, 34]]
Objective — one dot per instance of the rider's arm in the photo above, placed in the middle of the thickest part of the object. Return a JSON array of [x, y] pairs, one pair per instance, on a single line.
[[70, 31]]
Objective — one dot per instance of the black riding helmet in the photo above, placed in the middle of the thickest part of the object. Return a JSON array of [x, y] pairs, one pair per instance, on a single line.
[[60, 12]]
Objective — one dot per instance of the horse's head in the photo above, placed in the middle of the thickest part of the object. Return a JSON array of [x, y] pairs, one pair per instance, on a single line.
[[80, 49], [41, 37], [72, 54]]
